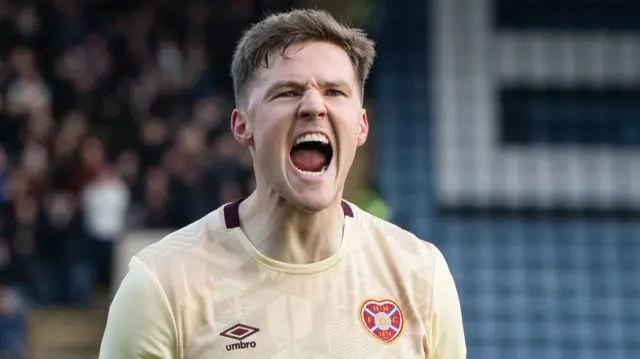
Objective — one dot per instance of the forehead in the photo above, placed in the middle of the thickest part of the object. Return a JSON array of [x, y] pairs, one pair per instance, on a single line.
[[309, 62]]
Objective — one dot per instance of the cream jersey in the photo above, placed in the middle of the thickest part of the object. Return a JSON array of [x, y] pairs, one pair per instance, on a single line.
[[205, 292]]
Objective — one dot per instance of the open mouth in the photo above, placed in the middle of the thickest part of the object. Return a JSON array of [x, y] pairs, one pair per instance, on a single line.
[[312, 153]]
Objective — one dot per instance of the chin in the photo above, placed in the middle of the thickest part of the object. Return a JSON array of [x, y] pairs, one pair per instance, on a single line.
[[312, 193]]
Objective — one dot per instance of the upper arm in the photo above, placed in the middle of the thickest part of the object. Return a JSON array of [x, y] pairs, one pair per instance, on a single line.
[[140, 324], [446, 332]]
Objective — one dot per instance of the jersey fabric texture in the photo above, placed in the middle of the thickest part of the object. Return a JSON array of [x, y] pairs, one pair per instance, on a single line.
[[205, 292]]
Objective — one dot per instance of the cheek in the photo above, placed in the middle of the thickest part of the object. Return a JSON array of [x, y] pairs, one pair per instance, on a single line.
[[271, 120], [348, 141], [353, 131], [269, 136]]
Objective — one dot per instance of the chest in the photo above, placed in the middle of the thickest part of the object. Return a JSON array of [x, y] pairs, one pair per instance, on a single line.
[[321, 316]]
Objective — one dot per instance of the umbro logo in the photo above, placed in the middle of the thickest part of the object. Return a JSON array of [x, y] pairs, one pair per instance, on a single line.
[[240, 332]]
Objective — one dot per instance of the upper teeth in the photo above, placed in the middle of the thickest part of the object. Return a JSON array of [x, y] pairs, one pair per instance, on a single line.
[[312, 137]]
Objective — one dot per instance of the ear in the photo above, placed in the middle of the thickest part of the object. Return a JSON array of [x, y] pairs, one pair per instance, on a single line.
[[240, 128], [363, 128]]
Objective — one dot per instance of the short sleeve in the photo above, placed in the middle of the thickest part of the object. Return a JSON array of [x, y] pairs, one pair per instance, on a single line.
[[447, 333], [140, 324]]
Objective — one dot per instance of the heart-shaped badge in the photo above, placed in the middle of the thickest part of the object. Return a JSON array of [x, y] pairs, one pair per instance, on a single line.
[[382, 319]]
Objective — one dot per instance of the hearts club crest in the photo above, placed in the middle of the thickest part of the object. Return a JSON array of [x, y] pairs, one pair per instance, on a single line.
[[382, 319]]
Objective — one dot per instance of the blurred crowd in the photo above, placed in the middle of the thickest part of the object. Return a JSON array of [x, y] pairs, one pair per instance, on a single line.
[[113, 114]]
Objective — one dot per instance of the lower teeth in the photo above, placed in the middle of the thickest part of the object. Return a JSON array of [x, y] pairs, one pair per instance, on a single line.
[[316, 173]]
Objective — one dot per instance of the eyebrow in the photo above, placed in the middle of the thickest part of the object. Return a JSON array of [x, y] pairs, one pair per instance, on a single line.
[[283, 84], [335, 84]]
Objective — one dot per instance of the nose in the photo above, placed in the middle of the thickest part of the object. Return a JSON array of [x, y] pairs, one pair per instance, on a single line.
[[312, 106]]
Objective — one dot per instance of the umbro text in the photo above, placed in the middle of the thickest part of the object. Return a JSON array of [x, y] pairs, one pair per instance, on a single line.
[[240, 345]]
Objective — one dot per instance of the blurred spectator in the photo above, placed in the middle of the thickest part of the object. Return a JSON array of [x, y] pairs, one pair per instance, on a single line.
[[3, 177], [105, 200], [13, 329], [64, 275], [27, 92]]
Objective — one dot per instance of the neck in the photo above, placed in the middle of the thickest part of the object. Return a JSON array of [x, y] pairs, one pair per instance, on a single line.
[[284, 233]]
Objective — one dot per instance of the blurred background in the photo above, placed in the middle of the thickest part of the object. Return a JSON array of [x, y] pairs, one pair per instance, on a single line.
[[505, 132]]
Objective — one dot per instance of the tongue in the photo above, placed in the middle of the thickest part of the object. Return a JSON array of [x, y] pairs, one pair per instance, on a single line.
[[308, 160]]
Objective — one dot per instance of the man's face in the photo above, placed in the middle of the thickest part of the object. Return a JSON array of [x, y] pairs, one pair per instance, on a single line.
[[303, 122]]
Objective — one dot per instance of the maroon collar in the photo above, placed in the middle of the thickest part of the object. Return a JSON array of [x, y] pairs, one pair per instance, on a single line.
[[232, 213]]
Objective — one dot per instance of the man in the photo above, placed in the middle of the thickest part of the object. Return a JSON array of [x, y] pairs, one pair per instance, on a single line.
[[292, 271]]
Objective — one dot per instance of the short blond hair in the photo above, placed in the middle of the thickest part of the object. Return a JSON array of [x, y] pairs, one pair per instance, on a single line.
[[279, 31]]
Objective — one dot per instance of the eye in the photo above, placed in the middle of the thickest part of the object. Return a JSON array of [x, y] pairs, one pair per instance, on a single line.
[[287, 94], [335, 93]]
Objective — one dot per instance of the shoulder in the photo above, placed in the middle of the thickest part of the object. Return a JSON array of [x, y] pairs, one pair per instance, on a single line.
[[182, 243], [389, 235], [184, 260]]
